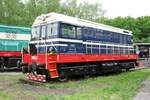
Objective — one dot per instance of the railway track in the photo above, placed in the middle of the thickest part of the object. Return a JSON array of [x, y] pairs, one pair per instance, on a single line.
[[139, 68], [14, 72], [14, 69]]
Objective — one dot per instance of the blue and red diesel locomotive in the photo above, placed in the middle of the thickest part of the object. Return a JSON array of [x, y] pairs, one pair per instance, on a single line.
[[63, 46]]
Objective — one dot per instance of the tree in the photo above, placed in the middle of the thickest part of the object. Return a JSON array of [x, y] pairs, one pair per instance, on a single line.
[[16, 12], [11, 11], [139, 26], [82, 10]]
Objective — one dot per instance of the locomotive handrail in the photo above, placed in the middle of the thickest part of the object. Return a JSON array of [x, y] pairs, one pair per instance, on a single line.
[[119, 50], [46, 54], [53, 45]]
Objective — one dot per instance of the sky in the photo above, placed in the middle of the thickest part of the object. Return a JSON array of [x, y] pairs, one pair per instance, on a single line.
[[115, 8]]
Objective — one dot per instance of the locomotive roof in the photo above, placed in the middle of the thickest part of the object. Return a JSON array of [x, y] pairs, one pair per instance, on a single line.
[[15, 27], [55, 17]]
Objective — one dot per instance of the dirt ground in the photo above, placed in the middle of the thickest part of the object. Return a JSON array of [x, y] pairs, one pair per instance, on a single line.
[[144, 93], [15, 83]]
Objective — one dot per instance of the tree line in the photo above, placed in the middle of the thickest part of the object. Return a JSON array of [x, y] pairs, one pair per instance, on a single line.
[[140, 26], [24, 12]]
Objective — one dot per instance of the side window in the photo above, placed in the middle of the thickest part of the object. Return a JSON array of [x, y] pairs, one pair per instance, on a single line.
[[49, 29], [121, 38], [65, 30], [43, 31], [52, 29], [129, 39], [72, 31], [68, 31], [79, 33]]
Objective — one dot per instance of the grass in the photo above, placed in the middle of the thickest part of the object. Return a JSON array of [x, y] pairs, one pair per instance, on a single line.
[[122, 86]]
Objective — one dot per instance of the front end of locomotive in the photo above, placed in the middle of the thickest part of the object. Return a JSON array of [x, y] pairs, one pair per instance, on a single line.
[[40, 67], [39, 59]]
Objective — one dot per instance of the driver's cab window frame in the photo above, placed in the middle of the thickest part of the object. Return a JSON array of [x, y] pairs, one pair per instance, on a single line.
[[42, 34], [37, 30], [52, 29]]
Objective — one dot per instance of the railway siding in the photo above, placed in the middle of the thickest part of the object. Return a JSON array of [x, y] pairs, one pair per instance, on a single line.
[[110, 87]]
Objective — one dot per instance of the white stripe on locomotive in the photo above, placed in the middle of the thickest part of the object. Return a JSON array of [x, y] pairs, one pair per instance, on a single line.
[[78, 41], [15, 36]]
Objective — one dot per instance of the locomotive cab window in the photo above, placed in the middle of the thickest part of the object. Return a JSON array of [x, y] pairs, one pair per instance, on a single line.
[[68, 31], [35, 32], [79, 32], [52, 30], [43, 31]]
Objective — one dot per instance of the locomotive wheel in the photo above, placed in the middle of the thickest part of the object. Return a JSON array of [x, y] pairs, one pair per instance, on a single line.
[[127, 69], [2, 68], [63, 79]]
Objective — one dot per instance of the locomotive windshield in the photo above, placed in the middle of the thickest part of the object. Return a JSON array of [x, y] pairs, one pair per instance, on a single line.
[[49, 30], [52, 30], [36, 32], [43, 31]]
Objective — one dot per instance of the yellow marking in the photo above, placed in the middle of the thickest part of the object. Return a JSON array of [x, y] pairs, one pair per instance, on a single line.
[[52, 62], [53, 70]]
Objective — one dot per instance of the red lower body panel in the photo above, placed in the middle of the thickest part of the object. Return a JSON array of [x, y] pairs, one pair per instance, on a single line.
[[51, 61], [70, 58], [10, 53]]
